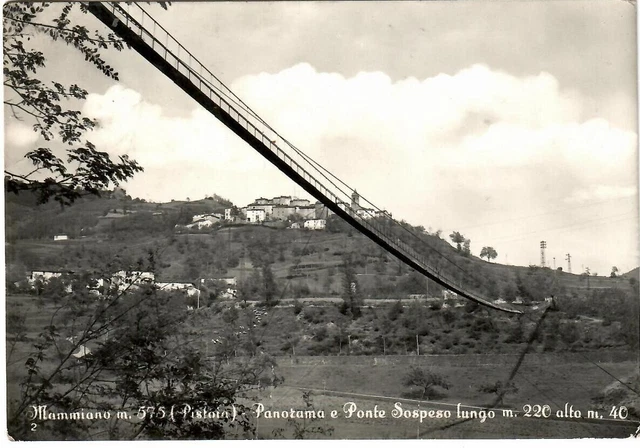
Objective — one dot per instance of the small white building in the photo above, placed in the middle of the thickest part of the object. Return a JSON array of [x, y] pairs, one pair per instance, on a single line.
[[124, 279], [343, 205], [43, 276], [203, 221], [60, 238], [315, 224], [231, 290], [449, 295], [188, 288], [255, 215], [366, 213], [268, 209]]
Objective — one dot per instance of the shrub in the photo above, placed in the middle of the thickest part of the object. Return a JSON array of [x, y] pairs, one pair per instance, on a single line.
[[395, 311], [321, 334], [426, 381], [569, 332]]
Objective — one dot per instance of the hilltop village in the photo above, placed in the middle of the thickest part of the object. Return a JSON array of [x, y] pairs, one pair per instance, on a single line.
[[297, 213]]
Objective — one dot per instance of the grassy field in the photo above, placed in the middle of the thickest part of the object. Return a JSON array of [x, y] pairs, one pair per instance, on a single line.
[[390, 427], [553, 379]]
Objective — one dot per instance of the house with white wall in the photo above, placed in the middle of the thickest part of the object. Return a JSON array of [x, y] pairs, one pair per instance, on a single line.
[[125, 279], [315, 224], [188, 288], [46, 276], [255, 214]]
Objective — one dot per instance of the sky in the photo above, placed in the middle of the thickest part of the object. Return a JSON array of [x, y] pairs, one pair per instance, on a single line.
[[511, 122]]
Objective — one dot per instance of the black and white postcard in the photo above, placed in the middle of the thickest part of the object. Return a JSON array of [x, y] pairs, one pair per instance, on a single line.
[[321, 220]]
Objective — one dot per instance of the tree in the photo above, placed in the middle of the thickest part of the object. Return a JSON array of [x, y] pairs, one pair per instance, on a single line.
[[587, 274], [44, 104], [350, 288], [500, 389], [457, 238], [614, 272], [269, 285], [134, 349], [309, 426], [509, 292], [250, 287], [466, 247], [426, 380], [395, 310], [488, 252]]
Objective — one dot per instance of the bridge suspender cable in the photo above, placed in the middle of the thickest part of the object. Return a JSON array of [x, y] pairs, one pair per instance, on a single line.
[[178, 64]]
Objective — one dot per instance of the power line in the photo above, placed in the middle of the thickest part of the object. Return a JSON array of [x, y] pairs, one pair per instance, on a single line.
[[583, 224], [559, 209]]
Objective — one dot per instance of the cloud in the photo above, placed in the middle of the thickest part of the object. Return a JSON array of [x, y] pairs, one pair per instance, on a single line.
[[18, 139], [473, 121], [601, 193], [449, 151], [183, 156], [19, 135], [479, 145]]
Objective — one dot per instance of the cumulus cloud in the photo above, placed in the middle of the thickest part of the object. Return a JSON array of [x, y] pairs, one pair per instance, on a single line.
[[129, 124], [448, 151], [18, 139], [19, 135], [183, 156]]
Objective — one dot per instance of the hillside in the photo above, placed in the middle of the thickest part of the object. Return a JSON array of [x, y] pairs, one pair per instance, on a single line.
[[118, 232]]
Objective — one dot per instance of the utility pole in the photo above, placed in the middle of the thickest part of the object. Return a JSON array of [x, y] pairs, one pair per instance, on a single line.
[[568, 263], [554, 263]]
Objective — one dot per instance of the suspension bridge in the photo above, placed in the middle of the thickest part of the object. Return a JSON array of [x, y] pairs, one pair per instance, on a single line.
[[153, 42]]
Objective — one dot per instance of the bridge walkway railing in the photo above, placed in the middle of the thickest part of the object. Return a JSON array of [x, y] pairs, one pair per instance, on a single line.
[[384, 230]]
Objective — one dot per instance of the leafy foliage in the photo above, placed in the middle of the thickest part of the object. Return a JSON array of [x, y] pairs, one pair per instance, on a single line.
[[134, 350], [426, 381], [85, 170], [305, 428], [458, 239], [350, 289], [500, 389], [488, 252]]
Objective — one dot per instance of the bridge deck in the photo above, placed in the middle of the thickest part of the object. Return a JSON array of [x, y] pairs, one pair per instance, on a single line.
[[136, 27]]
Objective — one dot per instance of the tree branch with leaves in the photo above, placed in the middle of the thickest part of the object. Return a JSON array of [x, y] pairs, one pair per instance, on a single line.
[[46, 105]]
